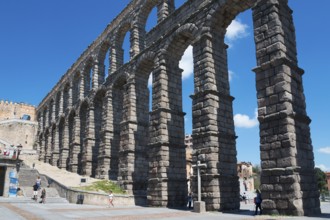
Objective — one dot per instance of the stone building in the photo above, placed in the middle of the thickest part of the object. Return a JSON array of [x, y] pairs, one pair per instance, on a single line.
[[18, 125], [328, 179], [13, 110], [245, 175], [101, 126]]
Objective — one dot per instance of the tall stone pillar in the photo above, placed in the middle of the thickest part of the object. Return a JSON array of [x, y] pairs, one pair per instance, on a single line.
[[117, 58], [98, 74], [214, 138], [70, 97], [89, 166], [137, 41], [48, 148], [167, 171], [46, 121], [61, 105], [75, 145], [53, 111], [165, 8], [81, 88], [104, 157], [127, 162], [64, 150], [42, 148], [288, 183]]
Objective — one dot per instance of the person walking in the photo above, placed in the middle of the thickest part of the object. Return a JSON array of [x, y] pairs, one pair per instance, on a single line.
[[38, 182], [190, 200], [111, 199], [258, 201], [43, 196], [35, 192]]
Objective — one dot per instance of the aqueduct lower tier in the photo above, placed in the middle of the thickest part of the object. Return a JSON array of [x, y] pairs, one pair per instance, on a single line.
[[101, 126]]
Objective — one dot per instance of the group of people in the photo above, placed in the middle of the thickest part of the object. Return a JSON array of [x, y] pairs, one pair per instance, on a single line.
[[36, 189]]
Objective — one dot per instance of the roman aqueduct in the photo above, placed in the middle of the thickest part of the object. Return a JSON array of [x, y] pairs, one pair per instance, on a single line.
[[96, 121]]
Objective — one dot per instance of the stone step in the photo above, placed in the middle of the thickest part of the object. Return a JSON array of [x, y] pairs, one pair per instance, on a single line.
[[29, 200], [50, 192], [28, 176]]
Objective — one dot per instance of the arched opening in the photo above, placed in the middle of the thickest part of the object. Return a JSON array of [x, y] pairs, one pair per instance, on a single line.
[[143, 106], [107, 64], [57, 105], [127, 47], [168, 116], [62, 145], [66, 97], [88, 77], [76, 88], [239, 38], [46, 147], [151, 20], [44, 117], [123, 49], [50, 112]]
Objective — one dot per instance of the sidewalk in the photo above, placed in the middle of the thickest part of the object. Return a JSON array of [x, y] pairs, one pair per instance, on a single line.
[[29, 211]]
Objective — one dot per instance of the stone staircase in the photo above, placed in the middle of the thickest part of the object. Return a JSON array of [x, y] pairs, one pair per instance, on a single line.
[[27, 178]]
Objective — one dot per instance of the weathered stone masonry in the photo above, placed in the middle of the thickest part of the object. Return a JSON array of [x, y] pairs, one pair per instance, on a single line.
[[101, 126]]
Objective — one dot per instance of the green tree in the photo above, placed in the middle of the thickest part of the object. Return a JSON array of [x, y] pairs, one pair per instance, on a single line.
[[321, 179], [256, 176]]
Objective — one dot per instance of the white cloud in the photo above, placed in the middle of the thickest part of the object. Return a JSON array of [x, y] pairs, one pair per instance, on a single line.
[[187, 63], [236, 30], [323, 167], [244, 121], [325, 150], [231, 74]]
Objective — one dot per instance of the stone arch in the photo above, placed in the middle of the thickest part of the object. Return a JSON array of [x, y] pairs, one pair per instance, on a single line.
[[105, 49], [179, 41], [277, 65], [88, 75], [67, 96], [117, 52], [51, 112], [224, 13], [45, 155], [75, 82], [141, 21]]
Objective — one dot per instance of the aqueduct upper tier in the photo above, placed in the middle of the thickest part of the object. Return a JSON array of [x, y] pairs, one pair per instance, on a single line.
[[97, 121]]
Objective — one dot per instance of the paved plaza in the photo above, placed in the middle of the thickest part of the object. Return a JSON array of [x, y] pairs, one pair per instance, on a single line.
[[16, 209]]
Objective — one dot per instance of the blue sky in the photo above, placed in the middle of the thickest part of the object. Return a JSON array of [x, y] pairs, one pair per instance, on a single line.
[[41, 39]]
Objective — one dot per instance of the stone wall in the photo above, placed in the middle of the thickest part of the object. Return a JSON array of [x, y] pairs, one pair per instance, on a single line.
[[16, 131]]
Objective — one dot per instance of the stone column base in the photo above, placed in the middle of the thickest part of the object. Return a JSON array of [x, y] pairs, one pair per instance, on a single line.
[[199, 206]]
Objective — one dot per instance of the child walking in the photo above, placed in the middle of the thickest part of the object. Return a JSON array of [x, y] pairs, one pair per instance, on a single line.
[[110, 199]]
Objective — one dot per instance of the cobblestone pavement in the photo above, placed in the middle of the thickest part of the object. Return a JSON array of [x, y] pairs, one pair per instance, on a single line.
[[11, 210]]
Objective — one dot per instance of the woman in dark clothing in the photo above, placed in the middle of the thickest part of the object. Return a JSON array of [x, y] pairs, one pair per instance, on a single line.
[[258, 201]]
